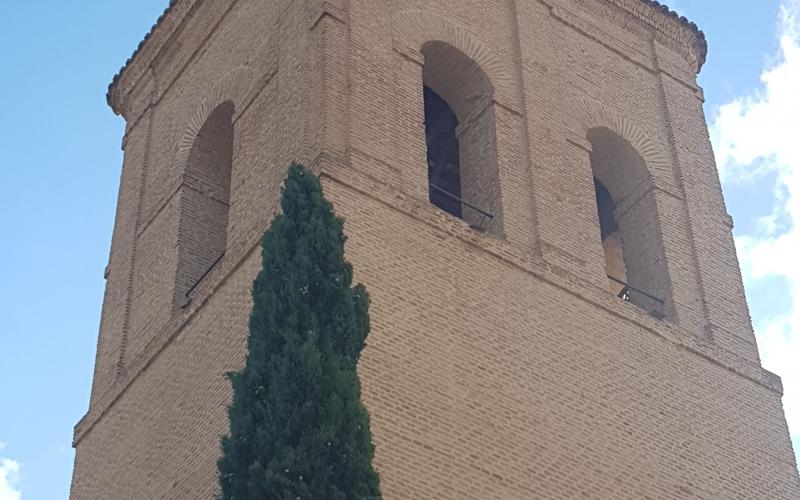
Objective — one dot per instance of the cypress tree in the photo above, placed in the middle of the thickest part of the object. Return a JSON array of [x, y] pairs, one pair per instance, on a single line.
[[298, 429]]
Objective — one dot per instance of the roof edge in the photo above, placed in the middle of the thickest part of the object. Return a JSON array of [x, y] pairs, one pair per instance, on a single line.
[[700, 45], [111, 95]]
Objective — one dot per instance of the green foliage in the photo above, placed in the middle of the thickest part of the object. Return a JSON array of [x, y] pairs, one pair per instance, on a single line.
[[298, 429]]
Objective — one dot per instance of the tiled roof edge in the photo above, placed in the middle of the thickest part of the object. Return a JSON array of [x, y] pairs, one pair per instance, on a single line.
[[118, 76], [702, 43]]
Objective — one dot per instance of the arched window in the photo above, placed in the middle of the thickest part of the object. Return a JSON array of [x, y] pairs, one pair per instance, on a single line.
[[611, 236], [444, 167], [629, 227], [205, 200], [460, 133]]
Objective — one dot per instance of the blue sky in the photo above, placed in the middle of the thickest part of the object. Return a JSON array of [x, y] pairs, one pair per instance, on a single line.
[[60, 169]]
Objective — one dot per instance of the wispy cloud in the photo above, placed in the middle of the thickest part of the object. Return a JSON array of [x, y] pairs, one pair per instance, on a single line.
[[9, 477], [757, 139]]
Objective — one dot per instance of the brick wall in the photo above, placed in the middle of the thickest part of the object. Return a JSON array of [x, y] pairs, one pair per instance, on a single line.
[[496, 367]]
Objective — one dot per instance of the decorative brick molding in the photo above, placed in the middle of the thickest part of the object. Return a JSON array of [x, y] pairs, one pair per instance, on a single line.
[[586, 114], [239, 86], [236, 86], [168, 23], [412, 29], [672, 29]]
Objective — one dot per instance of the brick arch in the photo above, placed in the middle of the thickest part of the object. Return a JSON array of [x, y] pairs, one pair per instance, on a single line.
[[412, 29], [205, 174], [627, 163], [233, 87], [588, 115]]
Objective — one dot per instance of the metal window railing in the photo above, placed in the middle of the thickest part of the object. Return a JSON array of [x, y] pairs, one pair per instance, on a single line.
[[453, 197], [203, 276], [625, 294], [448, 194]]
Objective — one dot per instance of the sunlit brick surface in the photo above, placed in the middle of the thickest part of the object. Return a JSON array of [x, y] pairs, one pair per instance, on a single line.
[[499, 364]]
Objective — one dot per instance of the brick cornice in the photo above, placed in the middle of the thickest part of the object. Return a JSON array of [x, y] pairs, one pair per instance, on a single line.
[[670, 27], [166, 25], [644, 17]]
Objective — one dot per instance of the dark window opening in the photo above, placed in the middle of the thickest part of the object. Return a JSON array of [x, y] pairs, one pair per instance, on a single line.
[[629, 225], [444, 168], [605, 210], [205, 201], [611, 236], [461, 140]]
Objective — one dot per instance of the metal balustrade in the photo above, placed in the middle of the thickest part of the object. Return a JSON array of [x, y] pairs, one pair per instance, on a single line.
[[482, 213]]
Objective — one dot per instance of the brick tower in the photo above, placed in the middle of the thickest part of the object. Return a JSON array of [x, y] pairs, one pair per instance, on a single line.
[[531, 200]]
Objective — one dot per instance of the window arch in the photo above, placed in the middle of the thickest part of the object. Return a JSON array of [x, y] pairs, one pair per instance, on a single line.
[[205, 201], [461, 138], [629, 227]]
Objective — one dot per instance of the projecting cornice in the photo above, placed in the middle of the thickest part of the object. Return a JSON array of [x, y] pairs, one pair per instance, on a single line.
[[671, 28], [166, 25]]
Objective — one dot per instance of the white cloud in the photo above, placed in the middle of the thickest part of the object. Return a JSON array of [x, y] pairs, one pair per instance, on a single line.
[[757, 137], [9, 478]]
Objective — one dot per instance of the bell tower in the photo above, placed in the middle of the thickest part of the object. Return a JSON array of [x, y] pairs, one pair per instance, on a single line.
[[531, 199]]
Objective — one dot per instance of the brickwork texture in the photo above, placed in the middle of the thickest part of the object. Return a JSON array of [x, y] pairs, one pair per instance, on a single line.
[[501, 362]]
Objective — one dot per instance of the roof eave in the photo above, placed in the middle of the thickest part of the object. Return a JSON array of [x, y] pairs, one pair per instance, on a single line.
[[112, 97], [701, 43]]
